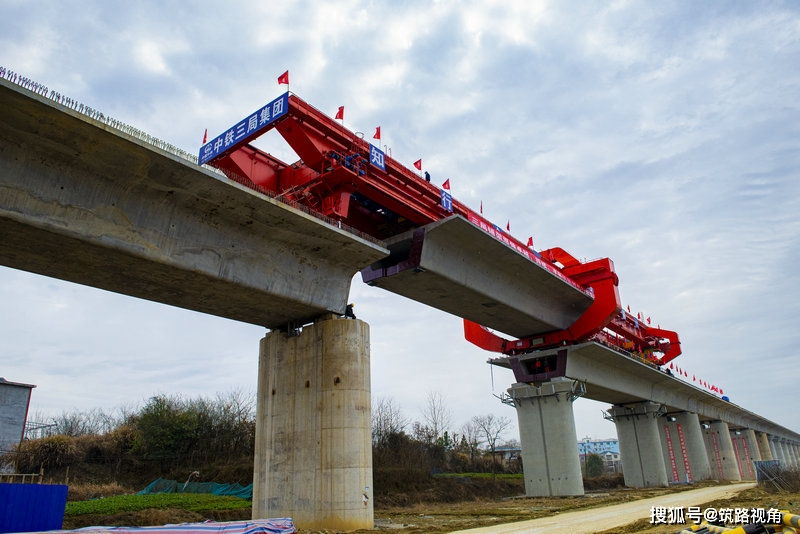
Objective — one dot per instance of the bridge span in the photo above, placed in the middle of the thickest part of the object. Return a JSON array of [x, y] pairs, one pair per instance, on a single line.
[[669, 430], [84, 201]]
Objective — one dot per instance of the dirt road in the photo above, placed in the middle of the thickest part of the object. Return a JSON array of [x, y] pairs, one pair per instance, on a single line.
[[599, 519]]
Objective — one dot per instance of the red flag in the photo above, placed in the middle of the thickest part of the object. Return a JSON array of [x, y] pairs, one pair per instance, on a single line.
[[530, 241], [340, 113], [418, 164], [481, 207], [629, 308], [508, 226], [283, 79], [205, 137], [648, 320], [377, 133], [446, 184]]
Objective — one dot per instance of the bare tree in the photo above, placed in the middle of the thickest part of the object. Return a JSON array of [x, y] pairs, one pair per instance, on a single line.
[[436, 414], [491, 428], [387, 419], [472, 438]]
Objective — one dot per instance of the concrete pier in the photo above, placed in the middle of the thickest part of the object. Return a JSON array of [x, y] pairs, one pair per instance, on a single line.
[[548, 438], [787, 453], [776, 450], [313, 450], [640, 444], [720, 451], [746, 452], [690, 440], [763, 446]]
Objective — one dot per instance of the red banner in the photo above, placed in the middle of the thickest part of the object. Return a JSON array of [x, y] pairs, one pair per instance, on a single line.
[[747, 457], [717, 455], [686, 465], [675, 477]]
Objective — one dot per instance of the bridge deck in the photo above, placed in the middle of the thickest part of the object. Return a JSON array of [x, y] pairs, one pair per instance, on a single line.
[[108, 210], [456, 267], [615, 378]]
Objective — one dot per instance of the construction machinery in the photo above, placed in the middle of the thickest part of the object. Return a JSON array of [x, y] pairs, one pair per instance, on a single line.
[[355, 184]]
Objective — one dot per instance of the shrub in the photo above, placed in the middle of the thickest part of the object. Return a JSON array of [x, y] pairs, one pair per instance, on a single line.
[[50, 452]]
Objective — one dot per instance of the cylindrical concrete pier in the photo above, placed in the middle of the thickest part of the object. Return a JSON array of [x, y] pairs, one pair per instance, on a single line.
[[549, 442], [640, 444], [313, 450], [720, 451]]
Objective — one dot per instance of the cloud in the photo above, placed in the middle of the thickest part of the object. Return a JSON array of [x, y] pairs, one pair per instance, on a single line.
[[660, 135]]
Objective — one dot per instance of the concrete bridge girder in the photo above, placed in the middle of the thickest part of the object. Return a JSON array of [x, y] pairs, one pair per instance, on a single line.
[[108, 210]]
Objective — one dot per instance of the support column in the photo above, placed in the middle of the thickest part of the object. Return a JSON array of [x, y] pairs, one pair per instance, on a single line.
[[550, 460], [776, 450], [640, 444], [313, 450], [763, 446], [720, 451], [786, 460], [746, 452], [788, 453], [687, 437]]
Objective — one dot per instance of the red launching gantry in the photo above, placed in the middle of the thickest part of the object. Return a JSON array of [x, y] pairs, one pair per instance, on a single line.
[[343, 177]]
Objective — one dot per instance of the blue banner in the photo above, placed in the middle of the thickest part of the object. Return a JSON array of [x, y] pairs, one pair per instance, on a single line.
[[377, 157], [447, 200], [245, 128]]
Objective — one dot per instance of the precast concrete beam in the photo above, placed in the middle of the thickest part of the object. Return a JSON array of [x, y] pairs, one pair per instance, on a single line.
[[85, 202], [640, 444], [454, 266], [313, 450], [550, 461], [721, 454]]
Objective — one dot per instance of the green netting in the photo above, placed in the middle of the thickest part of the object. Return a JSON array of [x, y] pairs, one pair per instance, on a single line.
[[161, 485]]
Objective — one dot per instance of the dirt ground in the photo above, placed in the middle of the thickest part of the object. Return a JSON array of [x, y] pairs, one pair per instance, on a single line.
[[442, 518], [478, 513]]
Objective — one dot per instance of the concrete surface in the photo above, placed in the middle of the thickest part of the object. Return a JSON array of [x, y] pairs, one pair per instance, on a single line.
[[599, 519], [547, 432], [85, 202], [640, 445], [615, 378], [454, 266], [313, 450]]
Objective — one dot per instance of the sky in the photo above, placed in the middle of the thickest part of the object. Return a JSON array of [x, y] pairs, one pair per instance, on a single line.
[[662, 135]]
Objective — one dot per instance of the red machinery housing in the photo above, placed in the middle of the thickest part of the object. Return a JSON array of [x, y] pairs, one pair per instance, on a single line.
[[338, 176]]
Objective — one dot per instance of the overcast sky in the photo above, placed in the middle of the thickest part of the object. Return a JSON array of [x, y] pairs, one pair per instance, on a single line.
[[663, 135]]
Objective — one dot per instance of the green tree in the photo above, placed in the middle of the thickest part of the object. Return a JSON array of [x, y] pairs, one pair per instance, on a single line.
[[595, 466]]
